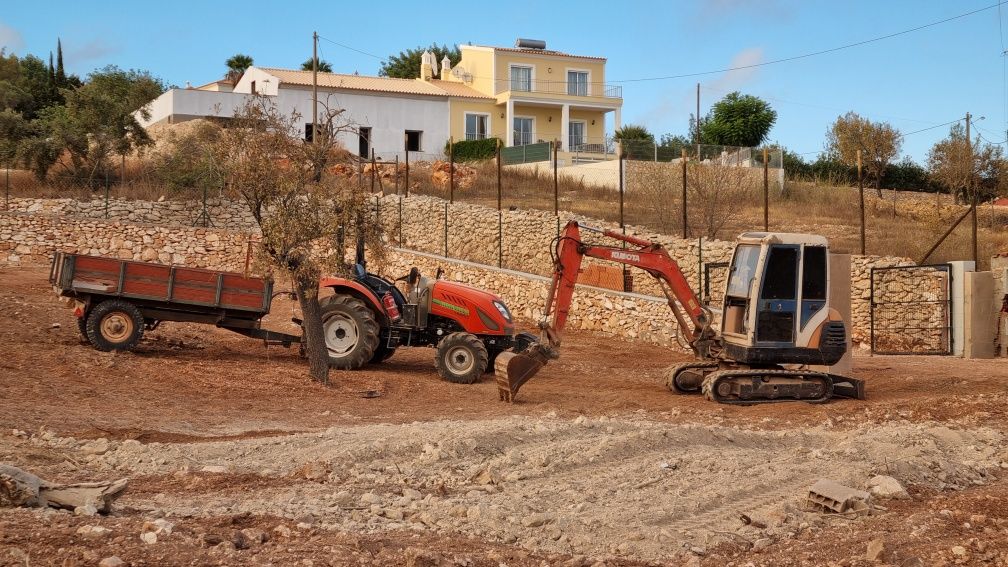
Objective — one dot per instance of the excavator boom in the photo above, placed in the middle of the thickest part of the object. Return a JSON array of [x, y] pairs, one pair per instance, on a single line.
[[514, 369]]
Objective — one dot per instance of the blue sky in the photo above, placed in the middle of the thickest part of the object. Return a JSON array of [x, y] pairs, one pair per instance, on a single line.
[[913, 81]]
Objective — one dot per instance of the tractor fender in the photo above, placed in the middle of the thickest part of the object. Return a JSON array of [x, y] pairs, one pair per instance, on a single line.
[[360, 291]]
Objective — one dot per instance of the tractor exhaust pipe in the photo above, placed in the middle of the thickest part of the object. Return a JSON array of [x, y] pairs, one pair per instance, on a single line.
[[514, 369]]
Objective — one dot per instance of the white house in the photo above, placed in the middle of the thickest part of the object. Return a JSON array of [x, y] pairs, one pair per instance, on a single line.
[[389, 114]]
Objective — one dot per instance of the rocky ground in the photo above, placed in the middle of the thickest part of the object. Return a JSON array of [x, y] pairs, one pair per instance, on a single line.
[[235, 458]]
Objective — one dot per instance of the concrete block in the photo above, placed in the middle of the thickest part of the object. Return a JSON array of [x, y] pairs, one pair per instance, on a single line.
[[979, 316]]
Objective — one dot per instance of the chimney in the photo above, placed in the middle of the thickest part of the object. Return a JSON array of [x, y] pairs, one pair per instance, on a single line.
[[428, 66], [445, 68]]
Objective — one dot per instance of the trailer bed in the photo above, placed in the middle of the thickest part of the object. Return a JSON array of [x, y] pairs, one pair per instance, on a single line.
[[169, 287]]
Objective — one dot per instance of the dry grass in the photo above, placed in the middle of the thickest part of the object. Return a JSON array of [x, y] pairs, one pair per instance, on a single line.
[[906, 229]]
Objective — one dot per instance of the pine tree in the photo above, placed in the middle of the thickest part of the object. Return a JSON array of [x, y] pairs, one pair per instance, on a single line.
[[61, 80]]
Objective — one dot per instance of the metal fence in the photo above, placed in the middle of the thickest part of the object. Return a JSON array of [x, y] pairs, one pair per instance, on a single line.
[[911, 310]]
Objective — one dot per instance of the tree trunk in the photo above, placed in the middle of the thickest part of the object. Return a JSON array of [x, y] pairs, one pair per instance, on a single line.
[[313, 335]]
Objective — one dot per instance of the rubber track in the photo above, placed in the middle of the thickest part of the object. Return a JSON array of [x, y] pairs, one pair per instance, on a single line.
[[672, 371], [714, 377]]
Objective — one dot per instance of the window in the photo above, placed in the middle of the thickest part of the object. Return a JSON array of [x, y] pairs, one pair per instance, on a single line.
[[477, 126], [742, 271], [364, 142], [521, 78], [577, 83], [814, 273], [253, 87], [781, 274], [576, 135], [413, 140], [309, 131], [523, 133]]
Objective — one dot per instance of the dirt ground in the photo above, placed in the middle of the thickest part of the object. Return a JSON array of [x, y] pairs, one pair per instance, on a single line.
[[234, 457]]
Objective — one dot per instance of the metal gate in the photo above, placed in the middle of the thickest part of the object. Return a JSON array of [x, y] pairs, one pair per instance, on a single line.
[[911, 310]]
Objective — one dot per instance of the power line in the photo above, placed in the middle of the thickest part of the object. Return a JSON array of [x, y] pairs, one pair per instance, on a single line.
[[901, 135], [815, 53], [352, 48], [810, 105]]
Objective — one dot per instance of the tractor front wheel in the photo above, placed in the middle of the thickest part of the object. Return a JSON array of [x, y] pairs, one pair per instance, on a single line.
[[461, 358], [351, 331]]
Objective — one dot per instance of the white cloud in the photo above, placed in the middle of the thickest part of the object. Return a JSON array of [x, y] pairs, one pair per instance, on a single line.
[[677, 102], [733, 80], [10, 38], [93, 49]]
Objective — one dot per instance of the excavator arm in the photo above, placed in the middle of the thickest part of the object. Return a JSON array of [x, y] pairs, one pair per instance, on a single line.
[[514, 369]]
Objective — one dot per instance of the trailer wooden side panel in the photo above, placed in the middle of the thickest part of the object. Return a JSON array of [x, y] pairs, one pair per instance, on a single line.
[[158, 282]]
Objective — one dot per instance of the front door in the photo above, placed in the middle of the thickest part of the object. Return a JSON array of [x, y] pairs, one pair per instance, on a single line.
[[364, 143], [776, 310]]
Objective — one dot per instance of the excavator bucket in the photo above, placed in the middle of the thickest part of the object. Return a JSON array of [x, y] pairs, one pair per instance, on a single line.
[[513, 369]]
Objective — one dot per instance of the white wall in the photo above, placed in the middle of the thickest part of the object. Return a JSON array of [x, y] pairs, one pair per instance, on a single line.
[[187, 103], [388, 116]]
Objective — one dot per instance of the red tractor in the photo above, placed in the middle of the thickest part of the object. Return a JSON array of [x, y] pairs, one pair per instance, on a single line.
[[368, 317]]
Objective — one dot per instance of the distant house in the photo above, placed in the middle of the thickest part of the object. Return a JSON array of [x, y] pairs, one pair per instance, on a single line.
[[536, 95], [521, 95]]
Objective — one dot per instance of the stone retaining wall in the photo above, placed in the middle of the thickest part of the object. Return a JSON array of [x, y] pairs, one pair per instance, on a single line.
[[162, 231], [31, 239]]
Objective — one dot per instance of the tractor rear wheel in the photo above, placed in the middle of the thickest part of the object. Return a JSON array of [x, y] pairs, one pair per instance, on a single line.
[[114, 325], [351, 331], [382, 353], [461, 358]]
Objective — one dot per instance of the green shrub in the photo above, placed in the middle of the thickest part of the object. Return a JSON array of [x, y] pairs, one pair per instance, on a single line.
[[473, 150]]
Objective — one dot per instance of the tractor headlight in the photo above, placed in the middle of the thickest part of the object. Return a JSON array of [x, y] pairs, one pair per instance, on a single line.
[[503, 310]]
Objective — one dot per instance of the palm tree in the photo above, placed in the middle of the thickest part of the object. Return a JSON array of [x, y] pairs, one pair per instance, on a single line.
[[323, 66], [237, 64]]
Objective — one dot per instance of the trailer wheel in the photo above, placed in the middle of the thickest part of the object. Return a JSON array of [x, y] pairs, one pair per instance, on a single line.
[[351, 331], [461, 358], [115, 325]]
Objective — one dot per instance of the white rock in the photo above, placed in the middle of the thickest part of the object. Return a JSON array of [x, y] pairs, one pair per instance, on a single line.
[[884, 486]]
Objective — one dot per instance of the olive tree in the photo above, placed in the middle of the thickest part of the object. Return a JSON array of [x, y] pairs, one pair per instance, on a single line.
[[879, 143], [963, 168], [302, 216]]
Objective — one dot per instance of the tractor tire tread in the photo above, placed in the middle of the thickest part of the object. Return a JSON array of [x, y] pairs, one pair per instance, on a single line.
[[366, 323], [470, 341]]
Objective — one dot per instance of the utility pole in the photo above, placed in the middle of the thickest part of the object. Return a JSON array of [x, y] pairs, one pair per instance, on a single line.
[[860, 184], [697, 121], [314, 85], [971, 191]]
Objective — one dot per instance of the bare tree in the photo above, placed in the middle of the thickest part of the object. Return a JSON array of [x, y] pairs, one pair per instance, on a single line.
[[302, 213], [950, 165], [879, 143], [716, 195]]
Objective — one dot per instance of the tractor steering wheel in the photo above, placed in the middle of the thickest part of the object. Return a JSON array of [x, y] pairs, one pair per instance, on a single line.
[[411, 278]]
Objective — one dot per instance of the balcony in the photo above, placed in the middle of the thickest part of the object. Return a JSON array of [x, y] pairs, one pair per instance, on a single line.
[[562, 88]]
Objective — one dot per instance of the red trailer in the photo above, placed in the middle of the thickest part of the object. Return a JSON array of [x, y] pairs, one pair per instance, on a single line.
[[116, 300]]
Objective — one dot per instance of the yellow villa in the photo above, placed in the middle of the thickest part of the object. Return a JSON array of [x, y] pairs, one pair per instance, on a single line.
[[531, 94]]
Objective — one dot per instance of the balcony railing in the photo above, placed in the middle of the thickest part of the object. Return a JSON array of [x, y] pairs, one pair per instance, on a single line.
[[559, 88]]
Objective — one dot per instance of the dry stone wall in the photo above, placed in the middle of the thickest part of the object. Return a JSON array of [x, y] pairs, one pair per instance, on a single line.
[[220, 213], [163, 232], [31, 239]]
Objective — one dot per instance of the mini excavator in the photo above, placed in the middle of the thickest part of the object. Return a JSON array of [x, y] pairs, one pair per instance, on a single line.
[[776, 319]]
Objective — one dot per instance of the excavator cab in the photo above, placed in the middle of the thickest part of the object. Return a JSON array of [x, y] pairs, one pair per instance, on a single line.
[[776, 302]]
